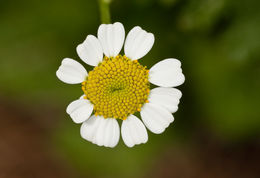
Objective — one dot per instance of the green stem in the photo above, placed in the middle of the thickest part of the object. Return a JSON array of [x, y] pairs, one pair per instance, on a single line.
[[104, 11]]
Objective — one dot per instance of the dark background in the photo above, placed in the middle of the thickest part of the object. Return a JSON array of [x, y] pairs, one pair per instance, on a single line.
[[216, 129]]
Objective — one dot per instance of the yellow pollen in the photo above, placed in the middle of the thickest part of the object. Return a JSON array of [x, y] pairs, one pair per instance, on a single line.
[[117, 87]]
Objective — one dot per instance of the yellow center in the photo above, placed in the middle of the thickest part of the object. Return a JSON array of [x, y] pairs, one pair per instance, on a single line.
[[117, 87]]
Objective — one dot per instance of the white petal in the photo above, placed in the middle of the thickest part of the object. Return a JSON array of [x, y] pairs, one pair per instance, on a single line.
[[71, 71], [80, 110], [167, 73], [155, 117], [138, 43], [111, 37], [166, 97], [90, 51], [100, 131], [133, 131], [82, 96]]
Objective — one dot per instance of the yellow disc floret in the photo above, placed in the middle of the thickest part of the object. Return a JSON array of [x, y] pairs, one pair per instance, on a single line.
[[117, 87]]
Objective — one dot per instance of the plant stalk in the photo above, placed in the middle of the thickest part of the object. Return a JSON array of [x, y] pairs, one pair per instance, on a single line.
[[104, 11]]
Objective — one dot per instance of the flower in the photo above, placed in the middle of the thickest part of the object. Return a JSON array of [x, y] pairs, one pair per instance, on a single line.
[[119, 86]]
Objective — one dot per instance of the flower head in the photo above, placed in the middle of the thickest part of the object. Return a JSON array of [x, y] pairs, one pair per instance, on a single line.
[[119, 86]]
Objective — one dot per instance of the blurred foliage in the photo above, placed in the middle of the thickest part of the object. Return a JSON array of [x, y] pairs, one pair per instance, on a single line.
[[217, 42]]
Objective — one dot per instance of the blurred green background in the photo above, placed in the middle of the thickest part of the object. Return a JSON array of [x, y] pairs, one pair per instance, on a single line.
[[216, 129]]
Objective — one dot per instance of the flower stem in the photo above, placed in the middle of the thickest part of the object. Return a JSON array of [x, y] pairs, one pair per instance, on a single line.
[[104, 11]]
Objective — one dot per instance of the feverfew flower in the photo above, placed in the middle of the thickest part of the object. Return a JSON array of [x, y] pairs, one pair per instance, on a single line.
[[119, 86]]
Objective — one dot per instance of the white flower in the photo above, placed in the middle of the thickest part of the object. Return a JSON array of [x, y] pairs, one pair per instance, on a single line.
[[119, 86]]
